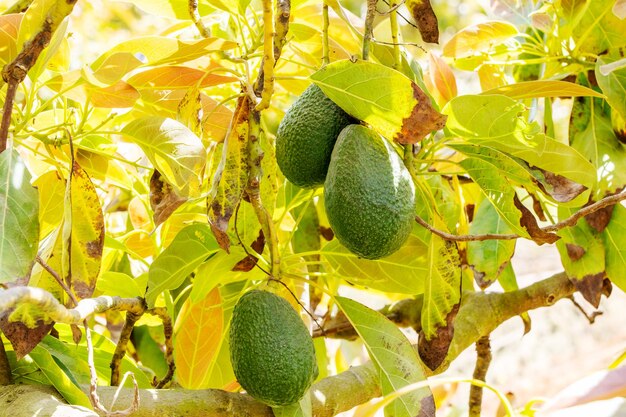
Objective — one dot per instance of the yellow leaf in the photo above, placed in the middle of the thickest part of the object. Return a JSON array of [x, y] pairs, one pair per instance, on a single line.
[[441, 77], [478, 38], [197, 339], [543, 88]]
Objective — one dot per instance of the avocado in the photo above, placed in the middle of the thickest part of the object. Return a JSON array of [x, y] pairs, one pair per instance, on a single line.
[[271, 350], [368, 194], [306, 136]]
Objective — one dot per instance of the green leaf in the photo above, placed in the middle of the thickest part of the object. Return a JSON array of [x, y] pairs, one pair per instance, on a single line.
[[489, 258], [396, 360], [384, 98], [117, 283], [496, 121], [402, 272], [599, 28], [479, 38], [543, 88], [443, 285], [302, 408], [613, 84], [172, 148], [57, 378], [614, 238], [19, 218], [191, 247], [599, 143], [581, 249], [497, 190]]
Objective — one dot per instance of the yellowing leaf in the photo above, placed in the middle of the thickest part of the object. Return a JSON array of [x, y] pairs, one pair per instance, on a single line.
[[478, 38], [442, 79], [426, 19], [197, 338], [384, 98], [115, 66], [51, 189], [160, 50], [543, 88], [87, 233], [177, 77], [118, 95], [9, 26]]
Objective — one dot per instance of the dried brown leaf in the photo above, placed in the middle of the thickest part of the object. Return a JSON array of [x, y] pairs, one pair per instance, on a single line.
[[529, 222], [163, 199], [423, 119], [591, 287], [434, 351], [426, 19], [22, 338]]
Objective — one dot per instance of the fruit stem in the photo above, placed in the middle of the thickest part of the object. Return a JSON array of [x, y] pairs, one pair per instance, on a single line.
[[325, 45]]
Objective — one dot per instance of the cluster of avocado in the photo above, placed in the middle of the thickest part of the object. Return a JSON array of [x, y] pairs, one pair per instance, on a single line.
[[368, 192]]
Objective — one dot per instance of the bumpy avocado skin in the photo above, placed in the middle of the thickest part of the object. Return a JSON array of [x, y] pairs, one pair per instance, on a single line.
[[271, 350], [368, 194], [306, 136]]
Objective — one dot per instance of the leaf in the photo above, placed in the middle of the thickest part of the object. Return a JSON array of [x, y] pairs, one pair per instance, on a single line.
[[163, 199], [231, 176], [197, 333], [614, 238], [119, 284], [19, 218], [497, 190], [489, 258], [51, 189], [160, 50], [177, 77], [394, 357], [22, 337], [441, 77], [599, 143], [59, 379], [478, 38], [191, 247], [543, 88], [9, 27], [426, 19], [382, 97], [496, 121], [402, 272], [173, 149], [87, 233], [599, 29], [443, 282], [178, 9], [613, 84], [583, 257], [118, 95], [115, 66], [302, 408]]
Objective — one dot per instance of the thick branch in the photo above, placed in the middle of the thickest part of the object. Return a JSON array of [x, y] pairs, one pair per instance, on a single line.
[[369, 27], [5, 366], [330, 396], [483, 359]]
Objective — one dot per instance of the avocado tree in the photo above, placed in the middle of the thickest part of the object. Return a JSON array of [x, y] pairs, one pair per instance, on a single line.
[[141, 197]]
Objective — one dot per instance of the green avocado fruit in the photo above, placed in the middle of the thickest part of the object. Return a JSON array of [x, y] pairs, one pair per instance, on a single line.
[[368, 194], [271, 350], [306, 136]]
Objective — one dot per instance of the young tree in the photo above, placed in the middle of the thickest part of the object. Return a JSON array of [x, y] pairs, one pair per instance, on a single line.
[[141, 194]]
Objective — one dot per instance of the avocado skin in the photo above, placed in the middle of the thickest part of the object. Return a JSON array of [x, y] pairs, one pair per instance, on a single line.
[[271, 351], [306, 136], [368, 194]]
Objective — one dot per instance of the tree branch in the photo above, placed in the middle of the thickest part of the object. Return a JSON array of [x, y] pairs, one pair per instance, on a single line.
[[5, 367], [369, 28], [569, 222], [329, 396], [483, 359], [192, 5]]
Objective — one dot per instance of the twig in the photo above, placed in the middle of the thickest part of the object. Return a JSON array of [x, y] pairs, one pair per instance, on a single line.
[[134, 405], [407, 21], [590, 317], [369, 28], [5, 367], [58, 279], [120, 348], [15, 72], [393, 6], [483, 359], [569, 222], [265, 85], [196, 19], [6, 114], [281, 27], [325, 43], [168, 332]]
